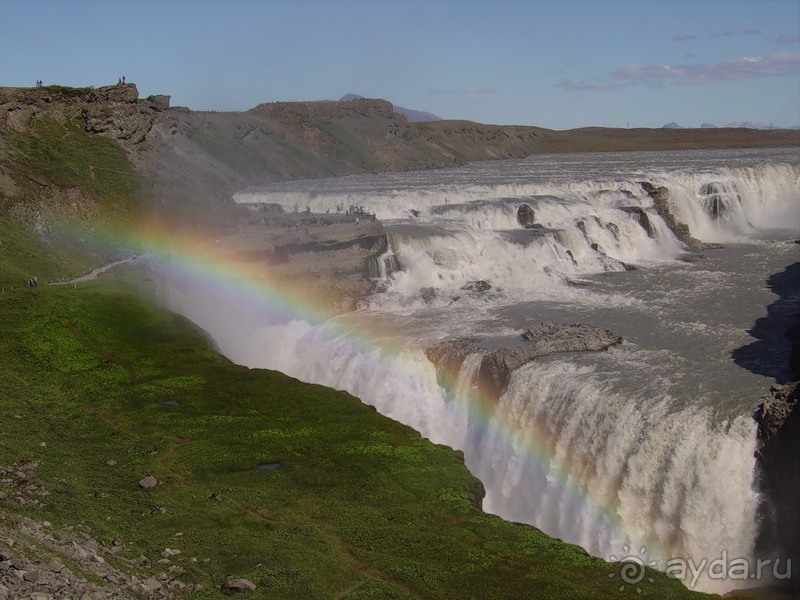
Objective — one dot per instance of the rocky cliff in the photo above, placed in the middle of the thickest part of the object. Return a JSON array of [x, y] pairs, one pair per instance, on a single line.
[[778, 419], [114, 110]]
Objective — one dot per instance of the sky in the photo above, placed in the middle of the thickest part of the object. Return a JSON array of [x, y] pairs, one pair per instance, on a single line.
[[553, 63]]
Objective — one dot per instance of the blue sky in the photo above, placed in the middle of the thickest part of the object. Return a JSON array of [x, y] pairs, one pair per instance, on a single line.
[[554, 63]]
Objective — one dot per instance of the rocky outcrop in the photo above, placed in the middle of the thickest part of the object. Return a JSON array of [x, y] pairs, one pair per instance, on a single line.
[[778, 419], [497, 365], [660, 196], [115, 110]]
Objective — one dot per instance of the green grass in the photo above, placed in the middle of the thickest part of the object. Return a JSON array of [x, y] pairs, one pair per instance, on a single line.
[[67, 156], [46, 164], [360, 506], [344, 143]]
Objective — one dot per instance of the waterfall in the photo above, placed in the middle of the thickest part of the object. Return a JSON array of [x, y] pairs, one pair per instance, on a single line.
[[584, 454]]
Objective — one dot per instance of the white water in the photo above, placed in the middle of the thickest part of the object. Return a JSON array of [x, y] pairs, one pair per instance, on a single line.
[[648, 445]]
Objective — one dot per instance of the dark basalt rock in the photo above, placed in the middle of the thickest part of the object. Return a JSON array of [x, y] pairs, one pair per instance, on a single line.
[[525, 215], [477, 286]]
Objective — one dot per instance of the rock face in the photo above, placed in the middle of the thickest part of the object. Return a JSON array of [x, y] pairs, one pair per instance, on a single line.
[[778, 418], [496, 367], [778, 454], [114, 110]]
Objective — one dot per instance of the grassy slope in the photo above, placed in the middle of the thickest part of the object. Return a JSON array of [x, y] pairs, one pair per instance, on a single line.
[[44, 164], [360, 507]]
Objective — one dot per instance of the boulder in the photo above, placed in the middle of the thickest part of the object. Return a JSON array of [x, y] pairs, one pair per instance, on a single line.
[[428, 294], [238, 584], [477, 286], [148, 482], [525, 215]]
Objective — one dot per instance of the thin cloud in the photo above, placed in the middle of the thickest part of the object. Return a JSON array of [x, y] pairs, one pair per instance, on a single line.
[[684, 38], [780, 64], [777, 65], [789, 39], [751, 31]]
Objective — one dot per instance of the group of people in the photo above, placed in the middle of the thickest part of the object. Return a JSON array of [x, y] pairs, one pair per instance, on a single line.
[[353, 209], [121, 80], [39, 83], [33, 282]]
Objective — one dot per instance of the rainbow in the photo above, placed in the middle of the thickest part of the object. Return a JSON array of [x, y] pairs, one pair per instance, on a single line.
[[208, 260]]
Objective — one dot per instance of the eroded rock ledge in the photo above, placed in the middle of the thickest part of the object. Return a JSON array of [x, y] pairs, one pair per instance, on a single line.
[[660, 196], [497, 365]]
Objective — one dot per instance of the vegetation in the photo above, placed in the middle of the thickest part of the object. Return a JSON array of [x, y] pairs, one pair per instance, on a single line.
[[346, 503], [68, 91], [67, 183]]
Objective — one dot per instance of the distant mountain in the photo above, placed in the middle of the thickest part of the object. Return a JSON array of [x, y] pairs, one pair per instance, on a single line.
[[413, 116], [749, 125], [734, 125]]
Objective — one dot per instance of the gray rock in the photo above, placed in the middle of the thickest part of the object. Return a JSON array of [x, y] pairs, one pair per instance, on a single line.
[[150, 585], [428, 294], [55, 565], [148, 482], [477, 286], [239, 585]]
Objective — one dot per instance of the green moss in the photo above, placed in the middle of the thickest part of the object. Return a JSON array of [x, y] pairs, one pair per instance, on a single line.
[[354, 504]]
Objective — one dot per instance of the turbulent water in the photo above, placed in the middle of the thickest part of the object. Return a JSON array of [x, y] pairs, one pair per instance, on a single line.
[[647, 448]]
